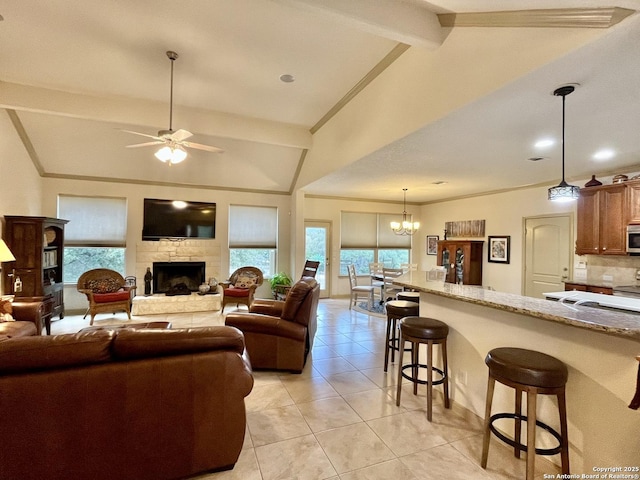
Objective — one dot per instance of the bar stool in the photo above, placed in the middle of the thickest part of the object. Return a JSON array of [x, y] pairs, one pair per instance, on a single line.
[[428, 331], [536, 374], [396, 309], [408, 296]]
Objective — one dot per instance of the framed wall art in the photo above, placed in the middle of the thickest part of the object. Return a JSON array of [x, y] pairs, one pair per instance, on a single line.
[[499, 249], [432, 244]]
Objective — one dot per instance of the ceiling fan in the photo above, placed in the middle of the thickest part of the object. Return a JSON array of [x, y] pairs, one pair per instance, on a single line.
[[174, 142]]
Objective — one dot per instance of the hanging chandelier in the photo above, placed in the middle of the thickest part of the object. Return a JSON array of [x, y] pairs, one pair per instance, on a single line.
[[563, 192], [407, 227]]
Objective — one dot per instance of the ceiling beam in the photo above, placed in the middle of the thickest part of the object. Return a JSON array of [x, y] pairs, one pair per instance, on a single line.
[[403, 22], [122, 111], [559, 17]]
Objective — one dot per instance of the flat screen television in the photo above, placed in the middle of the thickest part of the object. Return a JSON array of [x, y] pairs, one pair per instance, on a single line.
[[178, 219]]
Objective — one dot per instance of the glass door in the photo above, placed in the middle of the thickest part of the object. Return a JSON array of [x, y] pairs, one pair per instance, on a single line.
[[317, 245]]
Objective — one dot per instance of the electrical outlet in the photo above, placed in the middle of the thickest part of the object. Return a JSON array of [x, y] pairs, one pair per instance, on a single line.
[[462, 377]]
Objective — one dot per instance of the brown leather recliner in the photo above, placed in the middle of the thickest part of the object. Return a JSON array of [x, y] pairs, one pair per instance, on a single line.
[[27, 315], [126, 404], [279, 334]]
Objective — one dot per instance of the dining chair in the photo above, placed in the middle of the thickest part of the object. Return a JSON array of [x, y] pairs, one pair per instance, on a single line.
[[358, 291]]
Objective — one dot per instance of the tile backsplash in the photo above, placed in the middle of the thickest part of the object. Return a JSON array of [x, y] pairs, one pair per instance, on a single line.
[[611, 270]]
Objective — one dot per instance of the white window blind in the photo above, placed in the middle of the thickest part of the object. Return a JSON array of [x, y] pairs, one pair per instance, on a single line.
[[370, 230], [94, 221], [253, 227]]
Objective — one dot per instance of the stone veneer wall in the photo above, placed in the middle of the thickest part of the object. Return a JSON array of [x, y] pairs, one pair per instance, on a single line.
[[192, 250]]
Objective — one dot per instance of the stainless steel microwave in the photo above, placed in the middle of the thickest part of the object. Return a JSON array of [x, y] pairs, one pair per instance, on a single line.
[[633, 239]]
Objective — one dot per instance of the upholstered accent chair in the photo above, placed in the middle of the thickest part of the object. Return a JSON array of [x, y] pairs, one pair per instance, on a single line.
[[106, 291], [241, 286], [279, 334]]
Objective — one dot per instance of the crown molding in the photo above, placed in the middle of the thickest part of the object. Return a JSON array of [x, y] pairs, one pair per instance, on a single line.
[[562, 17]]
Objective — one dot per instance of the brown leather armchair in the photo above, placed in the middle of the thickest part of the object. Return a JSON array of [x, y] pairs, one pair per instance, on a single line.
[[27, 314], [279, 334]]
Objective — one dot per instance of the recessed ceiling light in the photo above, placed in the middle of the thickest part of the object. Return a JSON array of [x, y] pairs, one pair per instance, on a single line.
[[287, 78], [544, 143], [604, 154]]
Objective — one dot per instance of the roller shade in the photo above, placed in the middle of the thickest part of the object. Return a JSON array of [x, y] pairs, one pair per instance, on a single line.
[[253, 227], [94, 221]]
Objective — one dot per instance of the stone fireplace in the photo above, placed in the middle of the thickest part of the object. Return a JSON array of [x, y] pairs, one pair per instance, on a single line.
[[169, 276]]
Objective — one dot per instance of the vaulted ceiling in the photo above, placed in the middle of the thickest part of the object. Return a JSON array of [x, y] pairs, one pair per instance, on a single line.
[[73, 75]]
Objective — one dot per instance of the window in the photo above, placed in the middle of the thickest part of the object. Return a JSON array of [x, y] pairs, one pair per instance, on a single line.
[[366, 238], [95, 236], [253, 234]]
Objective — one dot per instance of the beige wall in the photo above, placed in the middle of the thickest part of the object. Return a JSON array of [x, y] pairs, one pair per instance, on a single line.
[[20, 190]]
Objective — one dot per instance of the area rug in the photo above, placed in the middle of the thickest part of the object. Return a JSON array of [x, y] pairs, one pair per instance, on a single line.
[[376, 309]]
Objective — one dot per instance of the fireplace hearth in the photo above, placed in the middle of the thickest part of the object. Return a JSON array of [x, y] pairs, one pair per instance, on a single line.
[[177, 278]]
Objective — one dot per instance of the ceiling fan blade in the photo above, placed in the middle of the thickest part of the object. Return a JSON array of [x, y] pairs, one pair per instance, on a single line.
[[143, 135], [180, 135], [146, 144], [199, 146]]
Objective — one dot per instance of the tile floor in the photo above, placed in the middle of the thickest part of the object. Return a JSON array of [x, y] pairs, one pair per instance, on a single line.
[[338, 419]]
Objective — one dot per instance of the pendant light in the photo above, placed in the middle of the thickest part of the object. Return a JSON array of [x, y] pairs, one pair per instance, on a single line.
[[407, 227], [563, 192]]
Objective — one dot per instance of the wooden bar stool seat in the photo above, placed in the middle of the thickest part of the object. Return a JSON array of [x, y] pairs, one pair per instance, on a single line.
[[396, 309], [536, 374], [429, 331]]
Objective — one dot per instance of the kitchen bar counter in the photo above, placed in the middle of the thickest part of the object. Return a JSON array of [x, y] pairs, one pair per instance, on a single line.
[[598, 346], [613, 322]]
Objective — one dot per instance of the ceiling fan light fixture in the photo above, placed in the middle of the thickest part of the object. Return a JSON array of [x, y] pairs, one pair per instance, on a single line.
[[563, 192], [171, 155]]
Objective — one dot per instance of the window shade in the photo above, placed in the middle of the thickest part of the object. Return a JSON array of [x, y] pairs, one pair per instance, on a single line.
[[370, 230], [358, 230], [94, 221], [253, 227]]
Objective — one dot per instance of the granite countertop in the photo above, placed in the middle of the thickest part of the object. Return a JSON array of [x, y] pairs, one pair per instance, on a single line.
[[603, 320]]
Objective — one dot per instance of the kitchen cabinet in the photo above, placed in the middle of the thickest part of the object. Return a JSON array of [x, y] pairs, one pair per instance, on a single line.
[[633, 194], [462, 260], [583, 287], [602, 220], [38, 245]]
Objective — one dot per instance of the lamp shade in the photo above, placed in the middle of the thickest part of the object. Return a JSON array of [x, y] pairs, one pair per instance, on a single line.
[[5, 253]]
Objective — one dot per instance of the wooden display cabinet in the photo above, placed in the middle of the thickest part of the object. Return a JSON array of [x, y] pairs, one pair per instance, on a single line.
[[38, 245], [462, 260], [602, 220]]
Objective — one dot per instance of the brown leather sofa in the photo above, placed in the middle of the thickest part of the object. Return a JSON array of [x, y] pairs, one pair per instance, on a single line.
[[27, 320], [279, 333], [122, 404]]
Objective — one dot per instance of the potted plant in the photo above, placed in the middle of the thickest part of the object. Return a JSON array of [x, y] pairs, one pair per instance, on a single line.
[[278, 283]]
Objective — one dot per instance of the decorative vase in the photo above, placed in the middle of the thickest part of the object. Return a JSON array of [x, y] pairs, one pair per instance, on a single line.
[[593, 182], [204, 288]]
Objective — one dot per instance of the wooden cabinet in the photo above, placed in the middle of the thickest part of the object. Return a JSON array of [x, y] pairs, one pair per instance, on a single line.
[[462, 260], [602, 220], [581, 287], [38, 245], [633, 194]]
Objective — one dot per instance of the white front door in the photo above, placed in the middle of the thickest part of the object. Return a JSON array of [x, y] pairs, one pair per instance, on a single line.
[[548, 254]]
